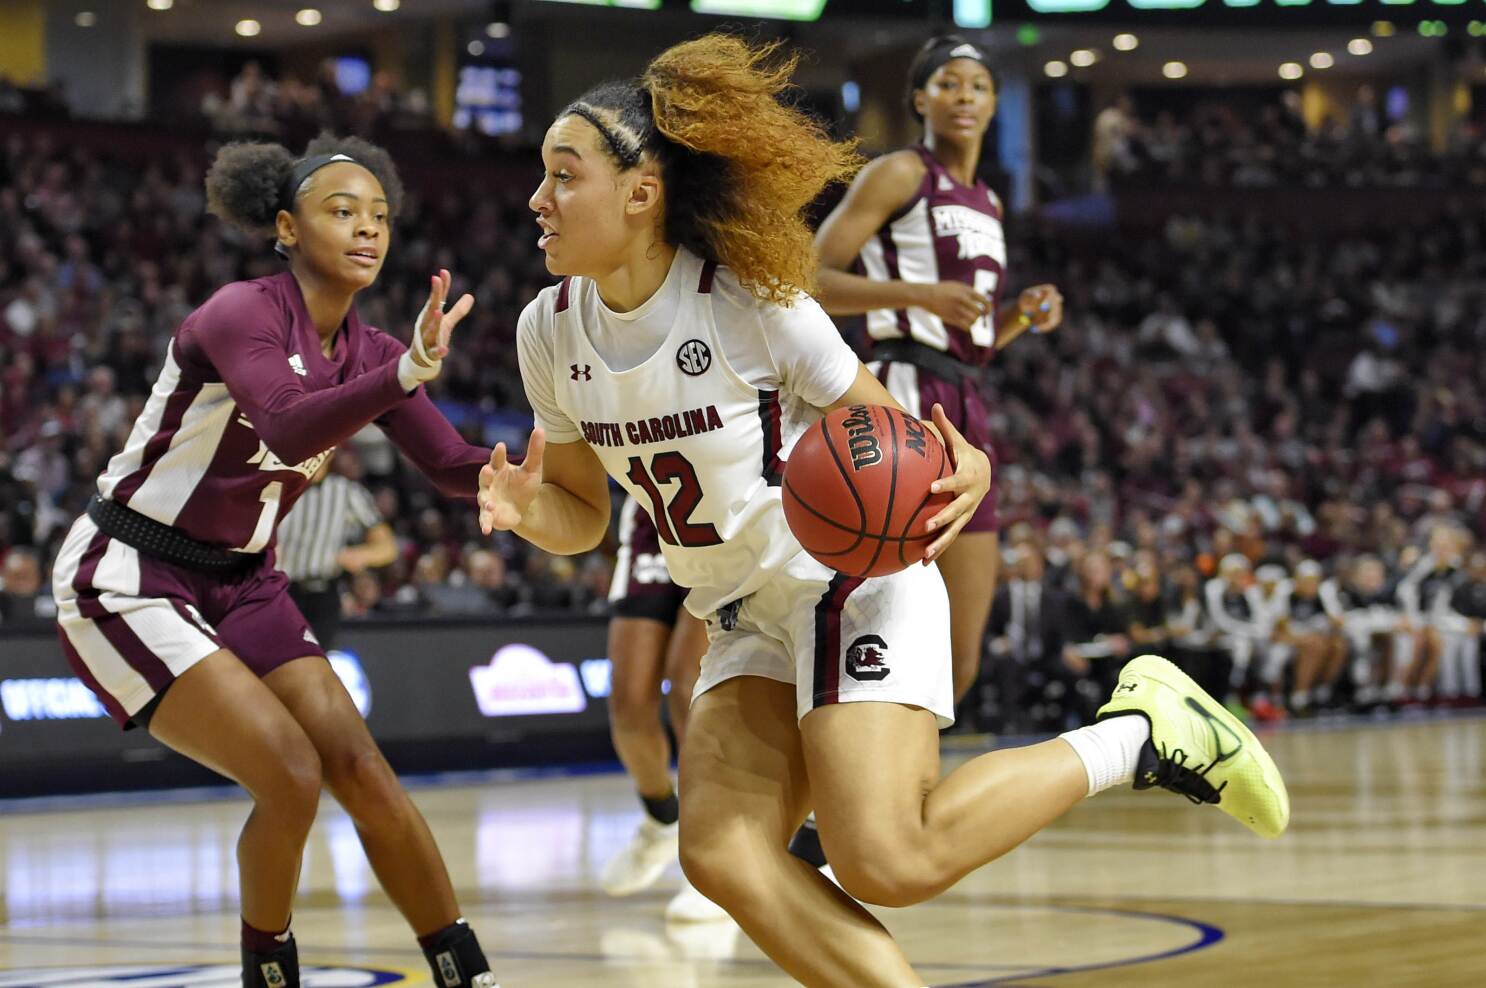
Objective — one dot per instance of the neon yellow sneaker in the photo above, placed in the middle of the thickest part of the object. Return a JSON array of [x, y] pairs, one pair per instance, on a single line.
[[1197, 748]]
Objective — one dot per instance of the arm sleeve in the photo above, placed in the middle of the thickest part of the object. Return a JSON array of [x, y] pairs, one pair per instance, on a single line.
[[420, 430], [534, 351], [244, 336], [811, 358]]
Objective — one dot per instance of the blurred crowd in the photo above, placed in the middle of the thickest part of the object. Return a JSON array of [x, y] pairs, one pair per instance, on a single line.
[[1373, 143], [1233, 415], [258, 105]]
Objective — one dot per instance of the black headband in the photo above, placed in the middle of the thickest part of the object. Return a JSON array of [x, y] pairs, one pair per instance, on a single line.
[[303, 169], [947, 51], [628, 156]]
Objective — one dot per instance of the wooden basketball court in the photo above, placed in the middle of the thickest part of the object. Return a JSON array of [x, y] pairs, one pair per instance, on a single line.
[[1380, 881]]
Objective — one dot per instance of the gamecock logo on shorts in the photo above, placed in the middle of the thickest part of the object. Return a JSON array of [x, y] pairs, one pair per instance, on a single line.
[[866, 659]]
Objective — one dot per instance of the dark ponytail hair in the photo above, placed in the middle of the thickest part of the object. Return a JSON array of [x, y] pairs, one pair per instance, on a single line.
[[245, 184], [740, 165]]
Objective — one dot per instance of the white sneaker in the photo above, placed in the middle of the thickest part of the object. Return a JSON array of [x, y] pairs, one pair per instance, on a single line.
[[691, 906], [643, 859]]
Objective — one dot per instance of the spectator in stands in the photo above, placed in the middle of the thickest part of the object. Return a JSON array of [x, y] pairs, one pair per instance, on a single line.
[[23, 605]]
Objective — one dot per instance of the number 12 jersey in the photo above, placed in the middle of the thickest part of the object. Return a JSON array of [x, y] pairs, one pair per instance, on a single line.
[[691, 401]]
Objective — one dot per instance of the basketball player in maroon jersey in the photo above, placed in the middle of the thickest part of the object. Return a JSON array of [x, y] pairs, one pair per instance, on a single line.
[[928, 234], [673, 206], [169, 604]]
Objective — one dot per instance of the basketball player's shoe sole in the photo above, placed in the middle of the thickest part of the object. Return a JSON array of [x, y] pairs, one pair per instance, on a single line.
[[642, 861], [1197, 748]]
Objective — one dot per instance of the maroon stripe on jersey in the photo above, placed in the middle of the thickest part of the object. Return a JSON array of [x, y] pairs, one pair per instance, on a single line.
[[827, 687], [890, 258], [704, 284], [769, 418], [133, 651], [114, 708], [159, 443], [92, 555], [562, 295]]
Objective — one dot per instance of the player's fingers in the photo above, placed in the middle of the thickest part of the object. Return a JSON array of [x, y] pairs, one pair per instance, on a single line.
[[451, 319], [964, 504], [497, 459], [940, 544], [951, 435], [535, 448]]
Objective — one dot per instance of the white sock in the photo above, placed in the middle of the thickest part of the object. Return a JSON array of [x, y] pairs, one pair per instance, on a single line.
[[1109, 750]]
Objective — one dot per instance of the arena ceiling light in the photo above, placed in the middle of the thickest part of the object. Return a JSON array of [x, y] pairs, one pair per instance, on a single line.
[[1174, 70], [386, 6], [1291, 70], [159, 4], [1322, 60], [1382, 29], [248, 28], [308, 17], [1359, 46], [1056, 69], [1084, 57], [497, 29], [1125, 42], [85, 18]]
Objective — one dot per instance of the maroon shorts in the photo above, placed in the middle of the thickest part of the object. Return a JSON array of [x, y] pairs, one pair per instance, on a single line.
[[917, 390], [642, 586], [130, 623]]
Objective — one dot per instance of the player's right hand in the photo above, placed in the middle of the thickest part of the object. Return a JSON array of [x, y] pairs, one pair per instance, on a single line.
[[955, 302], [506, 489], [434, 326]]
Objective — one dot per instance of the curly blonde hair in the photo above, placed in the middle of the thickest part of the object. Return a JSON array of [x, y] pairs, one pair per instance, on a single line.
[[741, 165]]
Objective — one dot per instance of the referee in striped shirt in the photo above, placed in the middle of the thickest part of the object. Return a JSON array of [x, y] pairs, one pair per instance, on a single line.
[[333, 528]]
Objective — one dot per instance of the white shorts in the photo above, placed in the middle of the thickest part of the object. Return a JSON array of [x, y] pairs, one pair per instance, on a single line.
[[840, 639]]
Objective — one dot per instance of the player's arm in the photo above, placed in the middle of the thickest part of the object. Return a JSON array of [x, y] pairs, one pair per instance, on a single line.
[[972, 476], [879, 190], [557, 498]]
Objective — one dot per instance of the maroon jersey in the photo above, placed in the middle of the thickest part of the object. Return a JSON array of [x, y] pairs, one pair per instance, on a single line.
[[946, 232], [247, 407]]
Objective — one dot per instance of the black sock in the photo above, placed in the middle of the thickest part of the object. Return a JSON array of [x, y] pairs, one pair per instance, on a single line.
[[805, 845], [664, 810], [454, 955], [270, 960]]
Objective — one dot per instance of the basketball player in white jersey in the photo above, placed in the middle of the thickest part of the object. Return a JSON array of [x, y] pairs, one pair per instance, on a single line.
[[680, 355], [652, 637], [169, 605], [917, 245]]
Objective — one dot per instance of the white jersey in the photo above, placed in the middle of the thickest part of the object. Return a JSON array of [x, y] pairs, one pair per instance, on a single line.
[[691, 402]]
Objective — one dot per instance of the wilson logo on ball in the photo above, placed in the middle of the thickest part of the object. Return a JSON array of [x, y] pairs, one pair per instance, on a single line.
[[861, 438]]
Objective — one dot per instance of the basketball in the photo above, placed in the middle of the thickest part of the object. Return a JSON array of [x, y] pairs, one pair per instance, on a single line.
[[856, 489]]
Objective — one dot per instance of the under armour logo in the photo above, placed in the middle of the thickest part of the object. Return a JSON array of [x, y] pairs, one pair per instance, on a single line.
[[1126, 688], [582, 373]]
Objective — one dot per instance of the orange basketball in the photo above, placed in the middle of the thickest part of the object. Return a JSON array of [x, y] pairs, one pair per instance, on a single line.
[[856, 489]]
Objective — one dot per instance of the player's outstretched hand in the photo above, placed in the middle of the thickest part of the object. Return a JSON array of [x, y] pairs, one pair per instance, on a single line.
[[435, 326], [506, 489], [971, 481]]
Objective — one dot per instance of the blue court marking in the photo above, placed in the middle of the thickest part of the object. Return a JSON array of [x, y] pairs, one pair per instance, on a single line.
[[1207, 936]]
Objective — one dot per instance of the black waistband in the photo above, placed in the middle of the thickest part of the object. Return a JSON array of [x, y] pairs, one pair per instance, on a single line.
[[165, 542], [936, 362]]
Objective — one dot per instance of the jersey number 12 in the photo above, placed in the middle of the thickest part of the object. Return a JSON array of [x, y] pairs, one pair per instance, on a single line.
[[673, 521]]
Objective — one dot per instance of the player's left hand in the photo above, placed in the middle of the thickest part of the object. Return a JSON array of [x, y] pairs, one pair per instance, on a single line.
[[971, 481], [435, 326], [1044, 304]]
